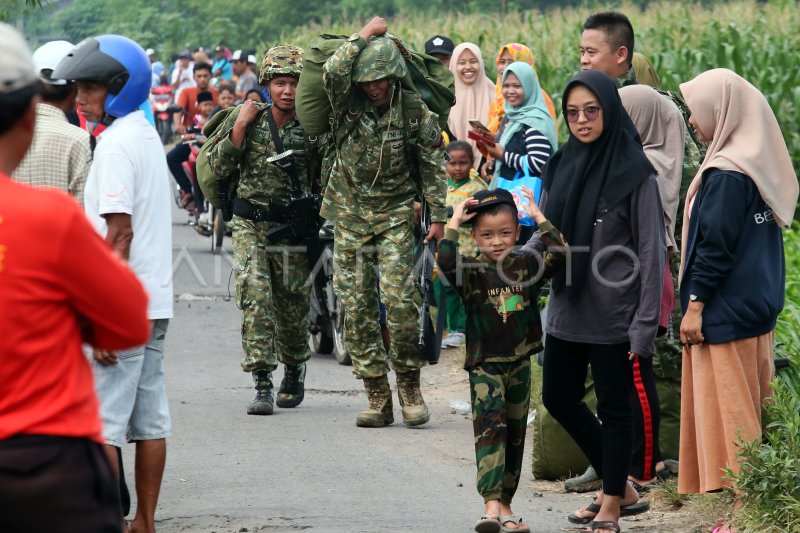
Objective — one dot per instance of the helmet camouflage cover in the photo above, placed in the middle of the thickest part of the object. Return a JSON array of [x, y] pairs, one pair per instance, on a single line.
[[280, 60], [380, 59]]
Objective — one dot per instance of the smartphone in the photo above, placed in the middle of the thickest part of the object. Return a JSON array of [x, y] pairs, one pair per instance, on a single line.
[[477, 124], [476, 136]]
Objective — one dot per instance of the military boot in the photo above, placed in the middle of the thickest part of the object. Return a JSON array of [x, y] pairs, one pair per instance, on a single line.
[[415, 412], [292, 389], [379, 413], [262, 403]]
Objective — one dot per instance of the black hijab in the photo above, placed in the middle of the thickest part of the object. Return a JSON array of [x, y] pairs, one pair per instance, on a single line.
[[583, 181]]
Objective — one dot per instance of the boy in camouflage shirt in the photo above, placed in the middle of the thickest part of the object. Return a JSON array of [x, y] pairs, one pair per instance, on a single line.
[[500, 291]]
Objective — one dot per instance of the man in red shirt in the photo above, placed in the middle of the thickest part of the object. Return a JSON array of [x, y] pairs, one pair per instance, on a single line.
[[60, 286], [188, 97]]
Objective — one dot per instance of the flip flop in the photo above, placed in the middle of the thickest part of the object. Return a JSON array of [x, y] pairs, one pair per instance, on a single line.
[[517, 520], [487, 524], [624, 510], [604, 524]]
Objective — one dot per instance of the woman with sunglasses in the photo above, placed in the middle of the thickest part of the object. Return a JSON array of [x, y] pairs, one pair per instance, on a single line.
[[604, 307]]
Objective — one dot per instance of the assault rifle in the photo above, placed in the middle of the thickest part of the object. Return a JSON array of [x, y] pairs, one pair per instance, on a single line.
[[429, 340]]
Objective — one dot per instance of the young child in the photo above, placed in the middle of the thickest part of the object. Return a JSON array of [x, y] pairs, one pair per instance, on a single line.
[[205, 104], [463, 182], [500, 290]]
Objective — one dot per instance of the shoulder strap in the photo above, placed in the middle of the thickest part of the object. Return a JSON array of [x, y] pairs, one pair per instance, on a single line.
[[286, 163]]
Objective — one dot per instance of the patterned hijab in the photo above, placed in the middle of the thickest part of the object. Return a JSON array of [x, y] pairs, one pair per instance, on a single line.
[[518, 52]]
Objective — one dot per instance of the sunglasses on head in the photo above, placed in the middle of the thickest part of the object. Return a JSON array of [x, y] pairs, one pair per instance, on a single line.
[[590, 112]]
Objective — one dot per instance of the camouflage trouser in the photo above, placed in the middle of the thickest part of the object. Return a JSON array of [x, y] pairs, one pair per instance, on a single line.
[[272, 290], [356, 258], [501, 394]]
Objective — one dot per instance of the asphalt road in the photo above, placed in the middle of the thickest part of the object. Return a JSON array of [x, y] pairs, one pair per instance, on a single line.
[[308, 468]]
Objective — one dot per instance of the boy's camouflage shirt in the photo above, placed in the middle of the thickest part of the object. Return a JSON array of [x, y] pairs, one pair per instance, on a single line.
[[370, 187], [501, 300]]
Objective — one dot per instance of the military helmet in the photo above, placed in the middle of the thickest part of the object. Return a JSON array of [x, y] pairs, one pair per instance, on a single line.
[[284, 59], [380, 59]]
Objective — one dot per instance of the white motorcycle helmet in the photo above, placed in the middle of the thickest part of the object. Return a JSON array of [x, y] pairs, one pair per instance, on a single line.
[[48, 56]]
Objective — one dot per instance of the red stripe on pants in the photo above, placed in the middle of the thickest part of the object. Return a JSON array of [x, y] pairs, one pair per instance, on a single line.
[[647, 417]]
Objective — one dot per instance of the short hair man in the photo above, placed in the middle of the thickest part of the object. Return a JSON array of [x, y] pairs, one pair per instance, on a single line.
[[60, 286], [247, 79], [440, 47], [60, 154], [607, 45], [128, 200], [182, 75]]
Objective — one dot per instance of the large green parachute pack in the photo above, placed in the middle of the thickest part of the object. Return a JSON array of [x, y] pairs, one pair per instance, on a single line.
[[425, 75]]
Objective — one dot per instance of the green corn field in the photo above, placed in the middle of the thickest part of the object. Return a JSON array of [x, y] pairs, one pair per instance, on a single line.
[[759, 41]]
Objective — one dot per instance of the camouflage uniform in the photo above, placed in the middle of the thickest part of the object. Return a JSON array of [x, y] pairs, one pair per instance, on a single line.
[[272, 279], [369, 198], [503, 330]]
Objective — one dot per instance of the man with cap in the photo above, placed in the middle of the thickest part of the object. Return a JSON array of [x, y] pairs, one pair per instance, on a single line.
[[222, 69], [127, 199], [60, 286], [60, 154], [440, 47], [272, 279], [156, 66], [183, 75], [389, 152], [246, 78]]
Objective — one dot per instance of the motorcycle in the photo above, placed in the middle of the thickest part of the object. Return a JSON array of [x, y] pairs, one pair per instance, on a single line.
[[326, 313], [208, 221], [163, 110]]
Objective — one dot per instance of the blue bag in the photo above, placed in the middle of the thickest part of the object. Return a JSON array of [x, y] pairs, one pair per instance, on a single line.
[[514, 186]]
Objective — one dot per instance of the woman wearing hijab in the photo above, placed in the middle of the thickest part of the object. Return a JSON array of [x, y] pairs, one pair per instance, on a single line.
[[661, 129], [604, 307], [528, 136], [511, 53], [474, 93], [733, 273]]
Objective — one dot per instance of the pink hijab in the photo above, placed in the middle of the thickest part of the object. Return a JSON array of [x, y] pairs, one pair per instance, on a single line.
[[472, 101], [745, 137]]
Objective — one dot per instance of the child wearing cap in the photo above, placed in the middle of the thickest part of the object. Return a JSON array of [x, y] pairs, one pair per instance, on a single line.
[[500, 291]]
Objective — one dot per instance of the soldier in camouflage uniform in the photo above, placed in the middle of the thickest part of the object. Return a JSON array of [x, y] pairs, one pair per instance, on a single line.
[[272, 288], [500, 291], [380, 142]]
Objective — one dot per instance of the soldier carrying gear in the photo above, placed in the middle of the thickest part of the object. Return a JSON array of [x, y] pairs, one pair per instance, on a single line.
[[388, 152], [273, 294]]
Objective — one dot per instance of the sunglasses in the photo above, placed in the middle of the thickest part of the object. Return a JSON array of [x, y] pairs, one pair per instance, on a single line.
[[590, 112]]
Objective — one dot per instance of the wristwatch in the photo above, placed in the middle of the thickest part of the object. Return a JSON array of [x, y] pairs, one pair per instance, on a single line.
[[695, 298]]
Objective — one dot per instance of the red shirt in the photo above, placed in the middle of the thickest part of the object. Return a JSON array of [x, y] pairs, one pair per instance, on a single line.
[[188, 101], [55, 268]]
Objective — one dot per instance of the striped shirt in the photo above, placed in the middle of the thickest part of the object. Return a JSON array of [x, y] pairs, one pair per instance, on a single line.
[[59, 155], [538, 151]]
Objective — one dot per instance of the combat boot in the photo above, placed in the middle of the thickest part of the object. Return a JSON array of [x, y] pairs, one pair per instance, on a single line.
[[379, 413], [415, 412], [262, 403], [292, 389]]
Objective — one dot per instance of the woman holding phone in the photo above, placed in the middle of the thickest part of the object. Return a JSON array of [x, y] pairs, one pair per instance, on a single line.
[[527, 136]]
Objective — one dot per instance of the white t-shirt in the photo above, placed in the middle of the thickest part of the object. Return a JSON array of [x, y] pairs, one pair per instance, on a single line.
[[187, 78], [129, 174]]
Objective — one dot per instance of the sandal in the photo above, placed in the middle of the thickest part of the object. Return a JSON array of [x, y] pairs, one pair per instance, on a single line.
[[643, 488], [624, 510], [516, 520], [488, 523], [187, 202], [604, 524]]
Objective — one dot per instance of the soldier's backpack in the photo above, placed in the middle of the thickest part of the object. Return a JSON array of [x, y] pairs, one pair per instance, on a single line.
[[206, 178], [426, 76]]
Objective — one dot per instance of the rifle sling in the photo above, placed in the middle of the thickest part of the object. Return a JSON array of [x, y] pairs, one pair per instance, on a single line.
[[288, 167]]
